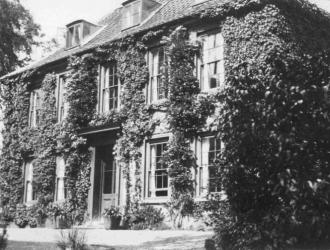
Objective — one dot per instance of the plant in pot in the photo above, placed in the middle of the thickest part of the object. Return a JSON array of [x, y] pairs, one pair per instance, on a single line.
[[112, 218], [21, 216], [33, 222]]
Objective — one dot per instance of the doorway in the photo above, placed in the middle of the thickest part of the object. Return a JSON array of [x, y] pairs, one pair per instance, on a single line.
[[105, 180]]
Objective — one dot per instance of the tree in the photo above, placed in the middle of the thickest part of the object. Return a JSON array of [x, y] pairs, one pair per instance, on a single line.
[[17, 34]]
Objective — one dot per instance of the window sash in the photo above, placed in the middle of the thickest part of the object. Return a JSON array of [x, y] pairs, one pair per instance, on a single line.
[[158, 179], [109, 88], [157, 59], [208, 177], [62, 108], [212, 70], [30, 193]]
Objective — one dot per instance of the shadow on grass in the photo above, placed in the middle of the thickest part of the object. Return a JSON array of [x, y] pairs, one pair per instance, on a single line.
[[14, 245], [171, 243]]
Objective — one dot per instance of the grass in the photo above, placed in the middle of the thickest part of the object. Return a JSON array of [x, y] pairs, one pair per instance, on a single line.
[[15, 245]]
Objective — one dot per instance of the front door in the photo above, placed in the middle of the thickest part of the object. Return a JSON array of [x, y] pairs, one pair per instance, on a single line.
[[106, 180], [108, 192]]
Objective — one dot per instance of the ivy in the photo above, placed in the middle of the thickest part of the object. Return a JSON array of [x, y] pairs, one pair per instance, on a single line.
[[186, 114]]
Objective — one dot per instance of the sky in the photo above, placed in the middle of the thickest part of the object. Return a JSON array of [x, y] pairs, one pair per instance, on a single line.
[[53, 15]]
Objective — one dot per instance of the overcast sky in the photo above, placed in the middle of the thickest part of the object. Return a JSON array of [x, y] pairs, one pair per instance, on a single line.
[[53, 15]]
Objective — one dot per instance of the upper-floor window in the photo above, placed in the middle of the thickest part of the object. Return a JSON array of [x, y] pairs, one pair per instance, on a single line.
[[35, 108], [108, 88], [62, 105], [30, 193], [157, 60], [158, 182], [208, 177], [132, 14], [74, 35], [212, 72], [61, 191]]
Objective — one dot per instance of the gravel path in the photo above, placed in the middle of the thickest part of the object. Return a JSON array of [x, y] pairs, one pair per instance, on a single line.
[[127, 239]]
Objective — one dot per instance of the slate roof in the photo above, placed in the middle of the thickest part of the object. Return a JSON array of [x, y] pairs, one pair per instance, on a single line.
[[170, 10]]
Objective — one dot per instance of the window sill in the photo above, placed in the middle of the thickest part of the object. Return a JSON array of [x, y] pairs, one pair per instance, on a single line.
[[212, 91], [156, 200], [31, 203]]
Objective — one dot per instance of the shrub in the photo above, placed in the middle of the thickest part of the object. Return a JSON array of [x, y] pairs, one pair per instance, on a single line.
[[21, 216], [3, 239], [74, 240], [145, 217], [275, 166], [112, 212]]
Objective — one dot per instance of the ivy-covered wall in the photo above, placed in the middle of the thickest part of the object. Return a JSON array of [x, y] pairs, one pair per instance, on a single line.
[[254, 32]]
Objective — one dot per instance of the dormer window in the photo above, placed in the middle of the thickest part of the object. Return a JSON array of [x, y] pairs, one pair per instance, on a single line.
[[132, 15], [74, 36], [77, 31], [135, 11]]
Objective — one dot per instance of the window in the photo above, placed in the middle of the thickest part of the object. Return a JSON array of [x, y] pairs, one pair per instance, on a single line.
[[61, 192], [158, 173], [30, 194], [109, 88], [208, 180], [156, 69], [62, 108], [35, 108], [212, 71], [132, 14], [74, 35]]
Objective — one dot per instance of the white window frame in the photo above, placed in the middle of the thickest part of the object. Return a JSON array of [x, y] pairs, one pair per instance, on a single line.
[[35, 108], [106, 101], [62, 104], [60, 189], [203, 179], [151, 178], [130, 11], [74, 37], [157, 90], [29, 192], [212, 55]]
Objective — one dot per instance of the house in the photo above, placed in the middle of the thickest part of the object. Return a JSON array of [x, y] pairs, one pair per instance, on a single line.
[[229, 32]]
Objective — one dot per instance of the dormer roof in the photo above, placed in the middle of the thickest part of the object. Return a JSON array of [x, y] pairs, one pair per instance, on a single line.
[[168, 12]]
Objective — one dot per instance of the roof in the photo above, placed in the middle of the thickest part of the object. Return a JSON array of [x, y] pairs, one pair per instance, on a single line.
[[169, 11]]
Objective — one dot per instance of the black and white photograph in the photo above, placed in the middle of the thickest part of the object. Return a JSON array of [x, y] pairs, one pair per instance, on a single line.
[[164, 125]]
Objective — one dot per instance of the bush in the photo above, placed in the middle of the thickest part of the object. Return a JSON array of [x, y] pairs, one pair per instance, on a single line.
[[21, 216], [145, 217], [3, 239], [275, 124], [74, 240]]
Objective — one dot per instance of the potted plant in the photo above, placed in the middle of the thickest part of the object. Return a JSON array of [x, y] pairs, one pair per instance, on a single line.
[[33, 223], [112, 218]]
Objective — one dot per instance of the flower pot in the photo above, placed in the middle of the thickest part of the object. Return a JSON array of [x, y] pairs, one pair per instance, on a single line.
[[61, 222], [112, 222]]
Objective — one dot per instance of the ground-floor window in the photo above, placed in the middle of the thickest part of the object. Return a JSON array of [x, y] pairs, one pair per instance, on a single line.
[[60, 194], [158, 180], [30, 194], [207, 175]]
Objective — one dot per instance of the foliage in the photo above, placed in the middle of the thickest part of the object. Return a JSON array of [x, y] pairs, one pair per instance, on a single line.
[[186, 114], [3, 239], [21, 216], [74, 239], [112, 212], [275, 125], [15, 100], [18, 32], [145, 217]]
